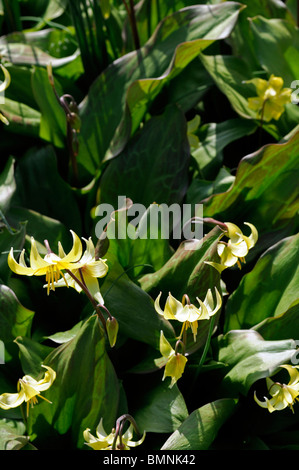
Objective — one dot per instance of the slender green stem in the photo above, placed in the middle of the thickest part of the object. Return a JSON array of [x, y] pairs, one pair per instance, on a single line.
[[132, 19], [90, 297], [207, 345]]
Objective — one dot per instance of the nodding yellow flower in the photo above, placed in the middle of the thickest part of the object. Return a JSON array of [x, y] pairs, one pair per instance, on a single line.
[[3, 86], [272, 98], [104, 441], [173, 361], [283, 395], [87, 270], [236, 248], [28, 391], [187, 313], [51, 265]]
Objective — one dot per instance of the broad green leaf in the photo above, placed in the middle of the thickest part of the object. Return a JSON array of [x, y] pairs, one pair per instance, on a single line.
[[148, 173], [249, 358], [132, 307], [33, 48], [213, 138], [275, 42], [22, 119], [123, 91], [85, 390], [268, 289], [281, 326], [138, 245], [229, 74], [201, 427], [185, 272], [265, 193], [15, 319], [200, 189], [53, 118], [12, 435], [161, 409], [32, 355], [52, 197], [41, 227]]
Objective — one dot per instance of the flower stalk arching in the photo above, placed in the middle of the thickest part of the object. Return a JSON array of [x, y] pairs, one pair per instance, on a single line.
[[119, 430]]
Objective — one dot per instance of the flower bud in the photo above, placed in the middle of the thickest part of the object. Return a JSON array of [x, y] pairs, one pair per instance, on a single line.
[[112, 330]]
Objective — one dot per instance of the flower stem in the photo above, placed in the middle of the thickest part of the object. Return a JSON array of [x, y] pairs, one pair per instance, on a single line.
[[90, 297]]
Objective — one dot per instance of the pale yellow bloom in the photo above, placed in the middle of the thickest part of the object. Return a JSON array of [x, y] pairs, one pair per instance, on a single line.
[[51, 265], [28, 390], [236, 248], [272, 98], [104, 441], [87, 270], [283, 395], [187, 313], [173, 361]]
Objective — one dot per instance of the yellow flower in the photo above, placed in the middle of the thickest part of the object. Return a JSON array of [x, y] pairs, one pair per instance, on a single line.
[[3, 87], [271, 99], [28, 390], [188, 313], [283, 395], [50, 266], [236, 248], [174, 361], [87, 270], [105, 442]]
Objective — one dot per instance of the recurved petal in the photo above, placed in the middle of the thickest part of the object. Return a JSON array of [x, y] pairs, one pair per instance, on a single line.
[[76, 252], [46, 382], [36, 261], [96, 268], [172, 308], [165, 347], [19, 268], [253, 237], [11, 400], [7, 79]]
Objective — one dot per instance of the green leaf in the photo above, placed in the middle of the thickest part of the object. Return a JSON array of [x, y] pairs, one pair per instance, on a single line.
[[118, 99], [53, 118], [161, 409], [282, 326], [132, 307], [186, 272], [12, 435], [147, 173], [268, 289], [52, 197], [32, 48], [275, 42], [10, 238], [214, 137], [249, 358], [265, 193], [86, 389], [200, 429], [15, 320], [22, 119]]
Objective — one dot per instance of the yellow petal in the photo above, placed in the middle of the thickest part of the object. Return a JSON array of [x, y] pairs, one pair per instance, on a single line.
[[36, 261], [7, 79], [175, 368], [76, 252], [11, 400], [19, 268], [165, 347]]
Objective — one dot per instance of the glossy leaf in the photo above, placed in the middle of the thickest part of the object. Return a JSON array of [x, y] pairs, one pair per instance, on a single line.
[[200, 429]]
